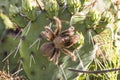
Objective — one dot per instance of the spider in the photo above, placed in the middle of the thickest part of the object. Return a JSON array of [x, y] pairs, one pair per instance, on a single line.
[[59, 41]]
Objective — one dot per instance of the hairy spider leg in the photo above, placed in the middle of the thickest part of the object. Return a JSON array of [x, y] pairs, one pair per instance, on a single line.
[[51, 33], [68, 32], [58, 24], [48, 34], [73, 40], [69, 53], [55, 56]]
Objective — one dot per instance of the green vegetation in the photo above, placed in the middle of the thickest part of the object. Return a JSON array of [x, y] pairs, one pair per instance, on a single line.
[[97, 22]]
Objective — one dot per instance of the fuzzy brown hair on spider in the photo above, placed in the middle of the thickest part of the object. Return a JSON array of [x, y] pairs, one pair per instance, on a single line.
[[59, 41]]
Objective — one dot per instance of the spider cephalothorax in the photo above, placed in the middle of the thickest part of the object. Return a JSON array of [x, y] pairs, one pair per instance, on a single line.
[[58, 41]]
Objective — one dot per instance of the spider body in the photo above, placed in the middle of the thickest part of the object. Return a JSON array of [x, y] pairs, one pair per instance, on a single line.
[[58, 41]]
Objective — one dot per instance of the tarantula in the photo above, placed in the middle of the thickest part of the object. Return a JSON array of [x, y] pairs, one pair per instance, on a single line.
[[58, 41]]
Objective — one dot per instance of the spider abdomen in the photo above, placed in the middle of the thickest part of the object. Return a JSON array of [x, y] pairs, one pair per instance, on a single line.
[[47, 48]]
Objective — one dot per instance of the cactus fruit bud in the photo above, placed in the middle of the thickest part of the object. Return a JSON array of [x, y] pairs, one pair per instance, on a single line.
[[92, 19], [73, 6], [52, 8]]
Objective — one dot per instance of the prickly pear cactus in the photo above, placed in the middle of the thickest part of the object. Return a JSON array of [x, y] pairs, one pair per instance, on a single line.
[[40, 65], [89, 19], [34, 63], [10, 63], [10, 66], [5, 46]]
